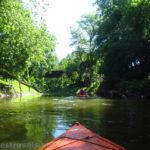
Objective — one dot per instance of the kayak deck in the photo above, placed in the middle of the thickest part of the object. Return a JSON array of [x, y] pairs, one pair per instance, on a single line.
[[80, 138]]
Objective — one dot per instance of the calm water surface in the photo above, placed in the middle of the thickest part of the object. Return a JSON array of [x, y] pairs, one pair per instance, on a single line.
[[27, 123]]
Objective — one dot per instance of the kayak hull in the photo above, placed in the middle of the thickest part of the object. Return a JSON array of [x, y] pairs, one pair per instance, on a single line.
[[79, 137]]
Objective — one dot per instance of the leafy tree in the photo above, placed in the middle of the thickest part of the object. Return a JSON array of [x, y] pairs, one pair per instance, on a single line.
[[27, 49], [123, 40], [14, 26], [83, 39], [38, 9]]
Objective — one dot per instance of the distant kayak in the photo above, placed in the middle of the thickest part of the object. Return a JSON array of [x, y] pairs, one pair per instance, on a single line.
[[81, 93], [79, 137]]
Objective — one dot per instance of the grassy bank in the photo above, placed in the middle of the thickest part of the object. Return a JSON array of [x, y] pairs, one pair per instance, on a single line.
[[13, 88]]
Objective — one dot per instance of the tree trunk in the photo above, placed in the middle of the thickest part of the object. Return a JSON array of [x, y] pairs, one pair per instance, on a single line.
[[20, 88]]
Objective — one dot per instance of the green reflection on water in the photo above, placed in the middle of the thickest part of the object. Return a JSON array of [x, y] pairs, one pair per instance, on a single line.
[[28, 122]]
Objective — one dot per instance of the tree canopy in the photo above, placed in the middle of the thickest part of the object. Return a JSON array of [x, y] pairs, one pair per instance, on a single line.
[[27, 48], [112, 47]]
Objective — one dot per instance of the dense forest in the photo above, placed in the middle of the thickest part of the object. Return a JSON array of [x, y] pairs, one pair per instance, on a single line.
[[111, 57]]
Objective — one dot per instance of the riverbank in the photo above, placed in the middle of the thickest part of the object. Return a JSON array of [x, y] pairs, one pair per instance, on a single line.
[[116, 94], [12, 88]]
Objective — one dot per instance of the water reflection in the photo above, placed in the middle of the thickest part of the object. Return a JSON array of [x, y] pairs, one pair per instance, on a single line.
[[33, 121]]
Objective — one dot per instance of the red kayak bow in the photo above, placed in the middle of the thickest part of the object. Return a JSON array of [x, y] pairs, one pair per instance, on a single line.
[[79, 137]]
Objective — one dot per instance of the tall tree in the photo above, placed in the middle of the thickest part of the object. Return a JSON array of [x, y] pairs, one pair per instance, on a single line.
[[83, 39], [25, 46], [123, 40]]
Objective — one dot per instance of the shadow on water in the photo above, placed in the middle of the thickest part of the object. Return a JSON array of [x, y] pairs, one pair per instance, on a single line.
[[29, 122]]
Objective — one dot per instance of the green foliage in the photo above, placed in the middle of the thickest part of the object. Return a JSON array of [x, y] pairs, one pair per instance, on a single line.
[[15, 27], [27, 48], [123, 41], [113, 44], [112, 47], [84, 60]]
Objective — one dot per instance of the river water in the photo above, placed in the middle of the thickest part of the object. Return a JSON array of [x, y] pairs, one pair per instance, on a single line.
[[28, 122]]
